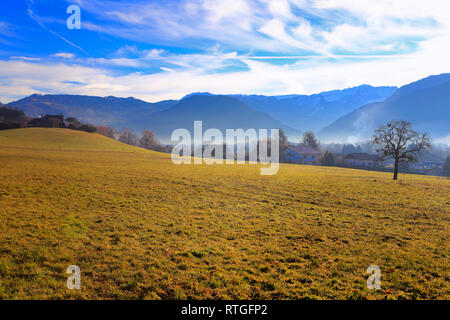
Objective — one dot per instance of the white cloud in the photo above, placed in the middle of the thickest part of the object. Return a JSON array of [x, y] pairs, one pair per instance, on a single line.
[[64, 55], [25, 58], [219, 10], [121, 62], [281, 8], [397, 42], [444, 140], [166, 69], [353, 26], [21, 78]]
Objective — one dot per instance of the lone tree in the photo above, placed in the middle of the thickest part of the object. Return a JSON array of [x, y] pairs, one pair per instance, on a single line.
[[309, 140], [148, 140], [398, 140]]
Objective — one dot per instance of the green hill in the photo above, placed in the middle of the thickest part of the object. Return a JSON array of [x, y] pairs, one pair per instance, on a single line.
[[62, 139]]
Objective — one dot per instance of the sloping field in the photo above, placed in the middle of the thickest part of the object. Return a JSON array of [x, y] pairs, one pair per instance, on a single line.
[[60, 139], [139, 226]]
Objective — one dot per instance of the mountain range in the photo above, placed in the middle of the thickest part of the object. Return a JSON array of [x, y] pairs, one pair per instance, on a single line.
[[424, 103], [312, 112], [339, 115], [316, 111], [113, 111], [222, 112]]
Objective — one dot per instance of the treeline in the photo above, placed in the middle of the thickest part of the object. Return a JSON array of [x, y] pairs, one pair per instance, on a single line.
[[74, 124], [11, 118], [147, 139]]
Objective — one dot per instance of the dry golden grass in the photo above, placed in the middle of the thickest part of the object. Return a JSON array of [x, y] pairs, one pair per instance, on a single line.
[[141, 227]]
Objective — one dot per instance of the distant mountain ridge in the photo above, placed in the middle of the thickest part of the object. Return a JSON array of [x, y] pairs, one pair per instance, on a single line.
[[308, 112], [215, 111], [339, 115], [113, 111], [425, 103], [313, 112]]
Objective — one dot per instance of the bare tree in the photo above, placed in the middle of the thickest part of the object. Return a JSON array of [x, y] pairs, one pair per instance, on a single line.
[[148, 140], [309, 140], [399, 141], [106, 131], [283, 144], [128, 137]]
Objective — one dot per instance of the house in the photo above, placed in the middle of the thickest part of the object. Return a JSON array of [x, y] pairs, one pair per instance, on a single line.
[[362, 160], [427, 164], [339, 159], [301, 154], [48, 121]]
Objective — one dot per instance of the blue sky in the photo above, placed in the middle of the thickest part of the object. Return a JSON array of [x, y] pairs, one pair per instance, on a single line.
[[157, 50]]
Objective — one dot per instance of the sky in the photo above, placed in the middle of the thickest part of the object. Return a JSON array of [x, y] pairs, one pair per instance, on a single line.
[[155, 50]]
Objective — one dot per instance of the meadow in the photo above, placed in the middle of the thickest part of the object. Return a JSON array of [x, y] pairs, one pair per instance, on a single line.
[[140, 227]]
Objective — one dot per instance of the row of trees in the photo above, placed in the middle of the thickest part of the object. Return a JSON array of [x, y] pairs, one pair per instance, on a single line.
[[11, 118], [146, 141], [74, 124], [397, 140]]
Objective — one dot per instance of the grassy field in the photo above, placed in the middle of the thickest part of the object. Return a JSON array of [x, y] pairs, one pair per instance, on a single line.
[[141, 227]]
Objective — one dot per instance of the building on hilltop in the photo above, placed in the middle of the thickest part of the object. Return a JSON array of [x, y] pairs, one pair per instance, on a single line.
[[48, 121]]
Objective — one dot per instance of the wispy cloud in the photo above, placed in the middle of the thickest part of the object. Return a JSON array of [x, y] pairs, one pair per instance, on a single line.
[[281, 26], [64, 55], [170, 48], [26, 58], [5, 29], [38, 20], [259, 77], [7, 33]]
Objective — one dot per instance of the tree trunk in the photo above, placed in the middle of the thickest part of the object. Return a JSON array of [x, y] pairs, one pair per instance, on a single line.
[[396, 169]]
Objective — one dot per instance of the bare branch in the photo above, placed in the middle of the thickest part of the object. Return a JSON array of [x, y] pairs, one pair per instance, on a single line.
[[399, 141]]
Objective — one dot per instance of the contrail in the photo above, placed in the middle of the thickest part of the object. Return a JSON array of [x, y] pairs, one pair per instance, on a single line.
[[31, 14]]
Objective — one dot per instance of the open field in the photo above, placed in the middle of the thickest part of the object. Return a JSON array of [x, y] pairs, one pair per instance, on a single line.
[[141, 227]]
